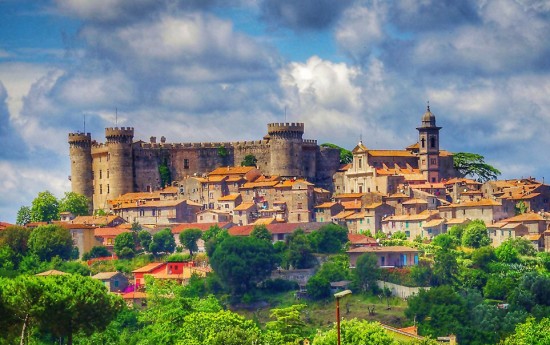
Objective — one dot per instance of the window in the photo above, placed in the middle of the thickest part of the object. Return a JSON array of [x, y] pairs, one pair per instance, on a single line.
[[108, 189], [360, 163], [226, 205], [299, 205], [432, 142], [153, 212], [100, 174], [299, 217], [433, 161], [100, 189], [141, 212], [186, 163], [107, 173], [116, 283], [423, 141]]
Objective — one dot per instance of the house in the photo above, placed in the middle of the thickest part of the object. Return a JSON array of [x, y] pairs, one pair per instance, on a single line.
[[83, 236], [360, 240], [327, 210], [135, 299], [391, 256], [536, 223], [99, 221], [488, 210], [51, 273], [411, 225], [501, 231], [106, 236], [245, 213], [229, 202], [179, 271], [114, 281], [158, 212], [214, 216]]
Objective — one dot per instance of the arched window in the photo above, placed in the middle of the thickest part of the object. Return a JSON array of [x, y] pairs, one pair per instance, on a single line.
[[432, 142]]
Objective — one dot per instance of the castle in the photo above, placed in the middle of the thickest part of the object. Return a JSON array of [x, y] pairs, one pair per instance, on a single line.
[[105, 171]]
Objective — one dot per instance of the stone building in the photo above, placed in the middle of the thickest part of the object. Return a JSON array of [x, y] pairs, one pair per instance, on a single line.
[[121, 165]]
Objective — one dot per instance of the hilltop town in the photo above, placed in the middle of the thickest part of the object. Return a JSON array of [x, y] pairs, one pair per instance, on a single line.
[[432, 252]]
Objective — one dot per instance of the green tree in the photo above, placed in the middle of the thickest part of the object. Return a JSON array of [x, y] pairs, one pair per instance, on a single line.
[[23, 215], [189, 238], [145, 239], [77, 204], [366, 272], [163, 242], [249, 161], [445, 241], [125, 245], [520, 207], [15, 239], [475, 235], [165, 174], [288, 323], [483, 256], [399, 235], [47, 241], [74, 303], [96, 252], [346, 156], [261, 232], [328, 239], [456, 231], [299, 253], [355, 332], [531, 332], [445, 268], [335, 269], [507, 253], [473, 165], [45, 207], [241, 263]]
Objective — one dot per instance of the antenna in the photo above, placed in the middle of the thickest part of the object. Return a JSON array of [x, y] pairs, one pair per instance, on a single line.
[[285, 113], [84, 123], [116, 116]]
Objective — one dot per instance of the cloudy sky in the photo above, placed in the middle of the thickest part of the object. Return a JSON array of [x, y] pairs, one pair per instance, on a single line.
[[211, 70]]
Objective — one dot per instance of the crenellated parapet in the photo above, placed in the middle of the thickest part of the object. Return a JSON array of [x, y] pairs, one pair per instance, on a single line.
[[80, 140], [122, 134], [282, 127]]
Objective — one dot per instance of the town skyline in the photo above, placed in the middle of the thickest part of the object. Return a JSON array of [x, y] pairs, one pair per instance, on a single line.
[[210, 71]]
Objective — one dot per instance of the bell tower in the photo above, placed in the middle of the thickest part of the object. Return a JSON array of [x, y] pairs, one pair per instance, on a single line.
[[428, 152]]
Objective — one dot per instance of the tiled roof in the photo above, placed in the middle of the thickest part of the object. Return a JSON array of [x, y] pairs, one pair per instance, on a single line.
[[326, 205], [378, 249], [428, 186], [457, 221], [398, 196], [432, 223], [415, 202], [201, 226], [230, 197], [355, 216], [391, 153], [351, 205], [424, 215], [134, 295], [52, 273], [277, 228], [4, 225], [70, 226], [132, 197], [413, 146], [349, 196], [460, 180], [344, 167], [217, 178], [105, 275], [237, 170], [343, 215], [264, 221], [526, 217], [170, 190], [265, 184], [152, 203], [244, 206], [482, 202], [358, 239], [373, 205], [320, 190], [103, 232], [95, 220], [533, 237], [149, 267]]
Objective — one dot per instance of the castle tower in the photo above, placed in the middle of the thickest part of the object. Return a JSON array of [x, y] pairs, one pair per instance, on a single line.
[[286, 148], [80, 153], [120, 161], [428, 152]]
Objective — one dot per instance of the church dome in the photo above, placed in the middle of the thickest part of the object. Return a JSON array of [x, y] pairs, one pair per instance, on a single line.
[[428, 119]]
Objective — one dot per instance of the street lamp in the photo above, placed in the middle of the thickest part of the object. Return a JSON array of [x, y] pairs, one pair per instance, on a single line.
[[338, 296]]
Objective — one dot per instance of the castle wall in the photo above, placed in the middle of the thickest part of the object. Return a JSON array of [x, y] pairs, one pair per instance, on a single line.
[[120, 160], [101, 176], [286, 146], [328, 162], [81, 163]]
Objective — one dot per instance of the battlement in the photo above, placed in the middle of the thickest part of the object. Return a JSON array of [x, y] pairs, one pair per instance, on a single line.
[[119, 132], [79, 137], [278, 127]]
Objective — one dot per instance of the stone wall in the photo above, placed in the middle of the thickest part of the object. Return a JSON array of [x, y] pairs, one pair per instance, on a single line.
[[400, 290]]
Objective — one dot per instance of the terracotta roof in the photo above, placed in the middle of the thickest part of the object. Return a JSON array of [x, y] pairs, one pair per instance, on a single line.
[[264, 178], [149, 267], [413, 146], [326, 205], [264, 221], [4, 225], [398, 196], [460, 180], [134, 295], [70, 226], [201, 226], [132, 197], [358, 215], [424, 215], [152, 203], [170, 190], [237, 170], [344, 167], [95, 220], [217, 178], [241, 230], [230, 197], [250, 185], [343, 215], [320, 190], [186, 274], [391, 153], [52, 273], [351, 205], [373, 205], [105, 275], [457, 221], [414, 177], [379, 249], [415, 201], [428, 186], [526, 217], [244, 206], [103, 232], [349, 195], [358, 239], [482, 202], [533, 237]]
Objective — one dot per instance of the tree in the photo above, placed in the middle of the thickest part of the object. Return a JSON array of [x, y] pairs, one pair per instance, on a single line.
[[355, 332], [475, 235], [399, 235], [445, 241], [96, 252], [23, 215], [445, 267], [346, 156], [74, 303], [481, 257], [520, 207], [77, 204], [189, 238], [329, 239], [165, 173], [241, 263], [163, 242], [125, 245], [249, 161], [335, 269], [145, 239], [299, 253], [456, 231], [366, 272], [507, 253], [531, 332], [47, 241], [288, 323], [16, 239], [45, 207], [473, 165], [261, 232]]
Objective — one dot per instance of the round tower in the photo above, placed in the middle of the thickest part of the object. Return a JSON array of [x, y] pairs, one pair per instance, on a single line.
[[80, 153], [285, 140], [120, 161]]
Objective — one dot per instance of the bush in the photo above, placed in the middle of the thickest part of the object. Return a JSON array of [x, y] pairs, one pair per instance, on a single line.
[[279, 285]]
